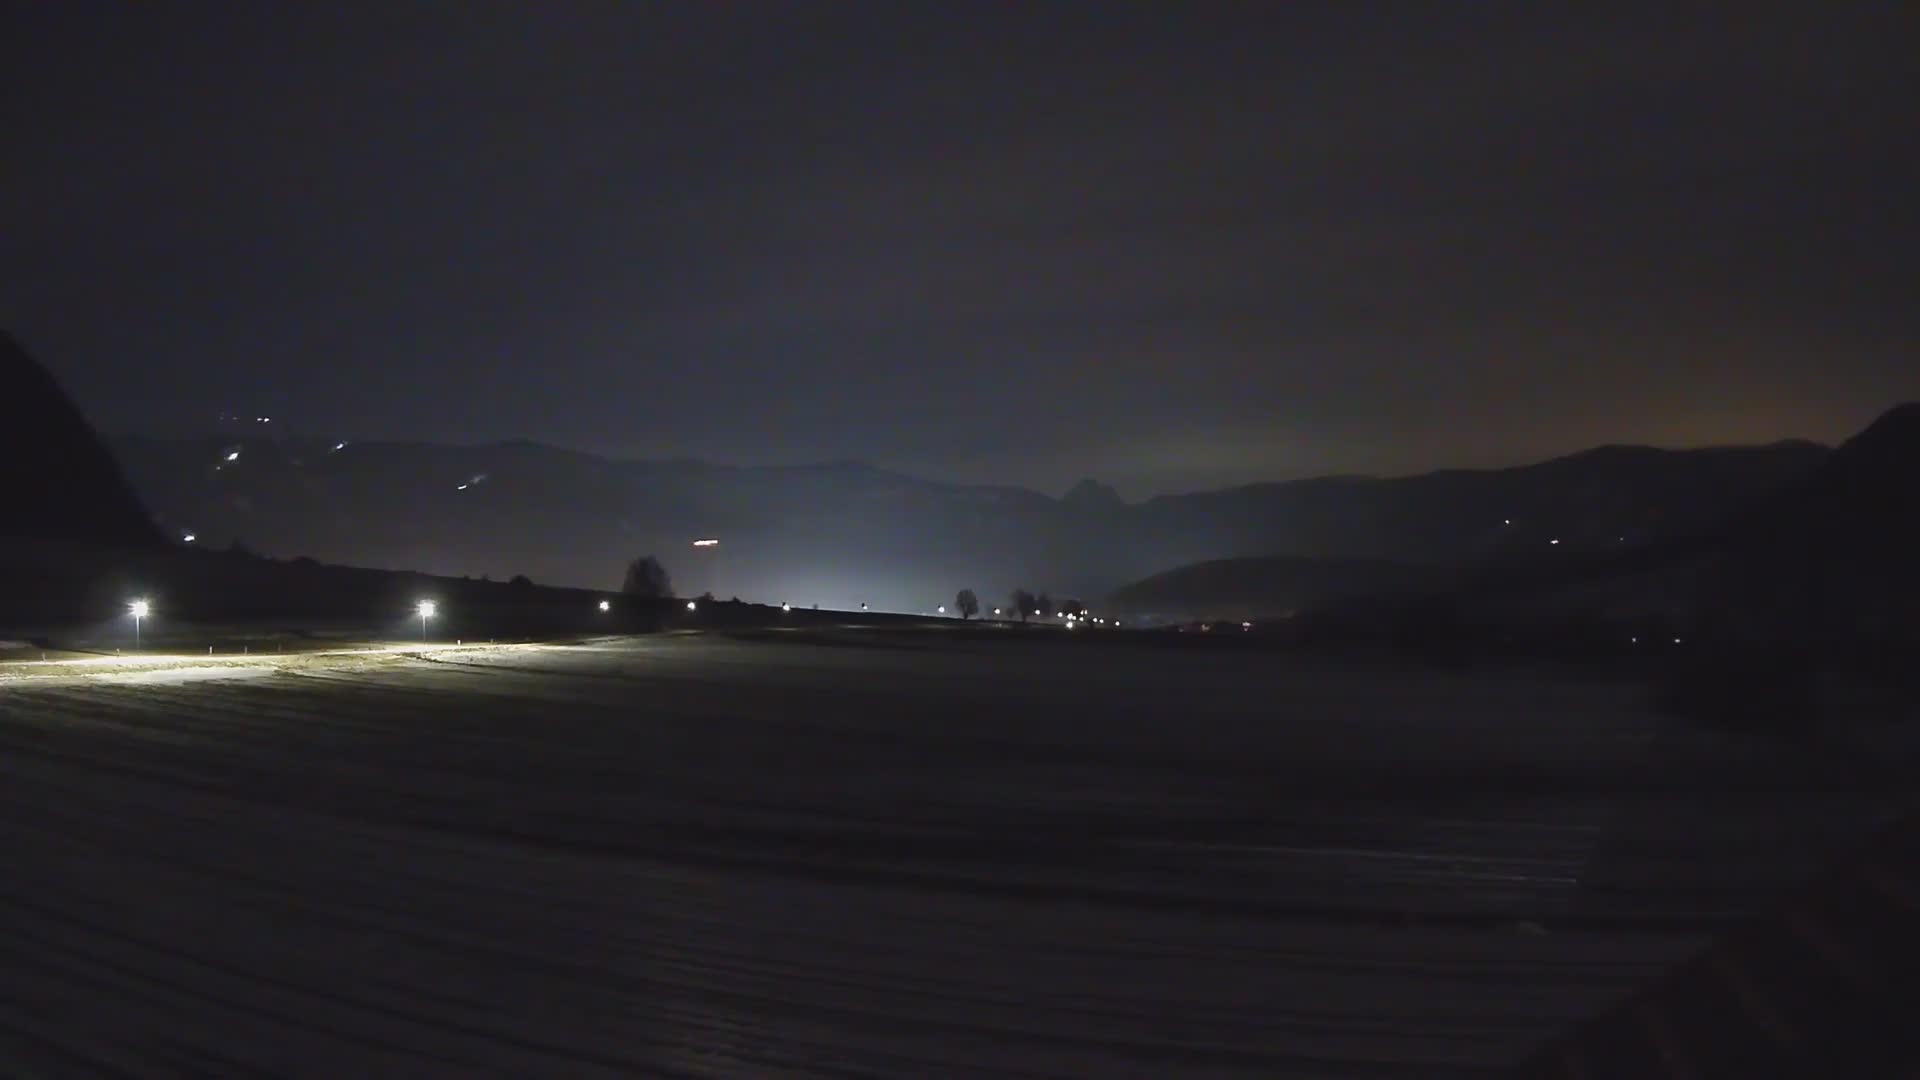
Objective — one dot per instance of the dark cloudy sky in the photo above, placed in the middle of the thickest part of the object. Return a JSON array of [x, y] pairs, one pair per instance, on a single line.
[[1166, 245]]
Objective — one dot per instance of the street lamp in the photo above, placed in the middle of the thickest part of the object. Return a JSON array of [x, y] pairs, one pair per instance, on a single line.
[[943, 609], [138, 609], [606, 605], [427, 609], [691, 606]]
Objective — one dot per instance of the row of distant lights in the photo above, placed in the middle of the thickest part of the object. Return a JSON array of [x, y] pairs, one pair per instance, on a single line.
[[425, 609], [1073, 620], [428, 609]]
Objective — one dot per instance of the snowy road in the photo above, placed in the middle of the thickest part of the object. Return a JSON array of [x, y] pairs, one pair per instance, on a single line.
[[818, 856]]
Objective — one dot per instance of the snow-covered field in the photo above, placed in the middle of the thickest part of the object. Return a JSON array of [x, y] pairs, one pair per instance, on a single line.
[[816, 854]]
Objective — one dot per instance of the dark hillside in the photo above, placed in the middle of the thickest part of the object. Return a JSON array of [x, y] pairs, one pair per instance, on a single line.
[[60, 483]]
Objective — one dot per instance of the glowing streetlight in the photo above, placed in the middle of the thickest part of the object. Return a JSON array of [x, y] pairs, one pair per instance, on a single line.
[[188, 538], [138, 609], [706, 542], [426, 609], [943, 609], [233, 455], [786, 607], [691, 606], [606, 605], [996, 612]]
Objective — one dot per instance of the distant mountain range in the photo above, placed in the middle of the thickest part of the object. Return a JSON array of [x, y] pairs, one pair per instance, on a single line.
[[846, 533], [1821, 560]]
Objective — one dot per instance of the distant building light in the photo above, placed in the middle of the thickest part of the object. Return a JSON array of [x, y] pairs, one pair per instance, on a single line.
[[1246, 626], [691, 606], [606, 605]]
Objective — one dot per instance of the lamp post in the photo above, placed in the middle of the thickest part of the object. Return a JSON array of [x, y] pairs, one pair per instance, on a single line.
[[426, 609], [138, 609]]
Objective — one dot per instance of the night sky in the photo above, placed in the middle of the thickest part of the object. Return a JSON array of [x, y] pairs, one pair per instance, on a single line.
[[1165, 245]]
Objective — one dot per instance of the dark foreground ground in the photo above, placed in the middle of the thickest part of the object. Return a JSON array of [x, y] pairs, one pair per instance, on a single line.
[[829, 853]]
